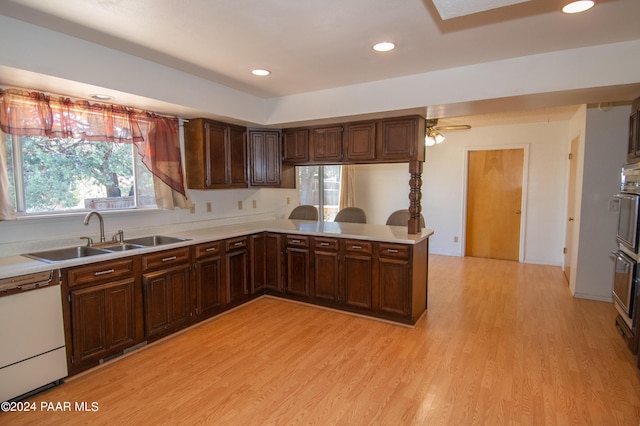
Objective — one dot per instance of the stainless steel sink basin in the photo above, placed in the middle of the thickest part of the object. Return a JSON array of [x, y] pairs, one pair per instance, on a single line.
[[121, 247], [66, 253], [154, 240]]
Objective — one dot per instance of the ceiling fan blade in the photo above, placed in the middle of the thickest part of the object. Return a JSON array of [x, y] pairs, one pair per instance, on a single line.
[[454, 127]]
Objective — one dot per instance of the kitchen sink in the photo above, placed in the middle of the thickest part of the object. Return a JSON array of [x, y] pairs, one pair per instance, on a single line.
[[154, 240], [121, 247], [66, 253]]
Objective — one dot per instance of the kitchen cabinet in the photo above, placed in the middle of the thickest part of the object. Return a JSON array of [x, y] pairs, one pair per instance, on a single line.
[[103, 311], [266, 262], [167, 291], [633, 152], [326, 266], [401, 139], [357, 275], [215, 155], [295, 146], [326, 144], [360, 142], [236, 270], [394, 280], [209, 278], [264, 158], [298, 265]]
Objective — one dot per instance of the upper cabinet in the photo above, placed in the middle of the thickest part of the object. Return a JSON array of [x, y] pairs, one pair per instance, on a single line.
[[264, 158], [633, 152], [326, 144], [401, 139], [295, 146], [360, 141], [215, 155]]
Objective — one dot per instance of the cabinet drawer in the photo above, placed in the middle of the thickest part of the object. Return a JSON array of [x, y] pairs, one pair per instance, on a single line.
[[165, 258], [396, 251], [208, 249], [96, 272], [236, 243], [297, 241], [357, 246], [330, 244]]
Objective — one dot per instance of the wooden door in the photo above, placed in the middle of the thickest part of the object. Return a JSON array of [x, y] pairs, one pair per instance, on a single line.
[[494, 202], [568, 252]]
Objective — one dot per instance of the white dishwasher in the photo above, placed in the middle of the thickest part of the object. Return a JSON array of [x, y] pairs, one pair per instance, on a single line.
[[32, 355]]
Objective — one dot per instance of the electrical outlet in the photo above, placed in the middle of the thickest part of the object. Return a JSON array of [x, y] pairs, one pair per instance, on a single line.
[[288, 200], [192, 209], [209, 207], [239, 205], [254, 203], [455, 239]]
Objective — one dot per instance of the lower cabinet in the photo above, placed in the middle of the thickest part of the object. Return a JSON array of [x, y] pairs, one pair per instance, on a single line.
[[298, 266], [236, 267], [167, 291], [357, 275], [103, 311], [394, 279], [266, 262], [209, 278], [326, 267]]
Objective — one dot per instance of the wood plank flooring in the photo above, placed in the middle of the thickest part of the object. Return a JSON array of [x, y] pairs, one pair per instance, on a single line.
[[501, 343]]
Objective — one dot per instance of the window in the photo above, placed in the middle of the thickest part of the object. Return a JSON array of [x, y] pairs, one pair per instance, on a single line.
[[323, 193], [54, 175]]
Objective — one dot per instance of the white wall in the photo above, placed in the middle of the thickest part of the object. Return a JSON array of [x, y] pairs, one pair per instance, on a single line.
[[443, 187], [605, 147]]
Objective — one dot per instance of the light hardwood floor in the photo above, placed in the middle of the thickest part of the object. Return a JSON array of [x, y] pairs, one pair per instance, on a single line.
[[501, 343]]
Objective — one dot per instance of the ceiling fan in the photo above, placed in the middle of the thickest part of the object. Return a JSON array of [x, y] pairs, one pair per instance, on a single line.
[[433, 135]]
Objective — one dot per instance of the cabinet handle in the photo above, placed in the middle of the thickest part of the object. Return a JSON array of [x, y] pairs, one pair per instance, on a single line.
[[324, 244], [295, 241], [108, 271], [239, 243], [212, 249], [167, 259], [356, 247], [392, 250]]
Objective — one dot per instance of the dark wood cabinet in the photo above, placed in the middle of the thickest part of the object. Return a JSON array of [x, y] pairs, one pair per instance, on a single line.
[[326, 266], [357, 274], [295, 146], [401, 139], [209, 278], [298, 265], [167, 291], [264, 158], [103, 311], [326, 144], [236, 270], [633, 152], [394, 279], [266, 262], [215, 155], [359, 142]]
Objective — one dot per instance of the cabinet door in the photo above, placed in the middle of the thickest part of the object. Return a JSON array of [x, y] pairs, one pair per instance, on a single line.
[[298, 271], [264, 158], [326, 144], [236, 276], [258, 262], [237, 163], [102, 320], [394, 281], [273, 278], [357, 274], [634, 136], [360, 141], [167, 303], [215, 163], [295, 145], [209, 279], [326, 267], [400, 139]]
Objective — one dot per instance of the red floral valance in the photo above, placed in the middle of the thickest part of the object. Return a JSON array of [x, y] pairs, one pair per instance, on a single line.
[[156, 138]]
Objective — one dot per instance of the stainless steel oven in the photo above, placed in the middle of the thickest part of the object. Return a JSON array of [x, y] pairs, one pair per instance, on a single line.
[[624, 285]]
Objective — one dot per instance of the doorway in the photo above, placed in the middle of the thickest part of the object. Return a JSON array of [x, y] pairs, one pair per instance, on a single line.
[[495, 203], [568, 239]]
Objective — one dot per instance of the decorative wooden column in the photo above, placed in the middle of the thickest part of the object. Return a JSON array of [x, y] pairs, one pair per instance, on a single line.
[[415, 196]]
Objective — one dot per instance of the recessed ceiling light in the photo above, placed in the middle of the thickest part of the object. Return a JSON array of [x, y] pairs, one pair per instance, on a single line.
[[384, 46], [578, 6], [101, 97], [260, 72]]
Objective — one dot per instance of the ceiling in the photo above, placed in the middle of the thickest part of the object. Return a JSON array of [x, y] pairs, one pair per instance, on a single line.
[[312, 45]]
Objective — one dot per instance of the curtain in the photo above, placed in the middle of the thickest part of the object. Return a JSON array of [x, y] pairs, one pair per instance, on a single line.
[[7, 211], [347, 187], [157, 138]]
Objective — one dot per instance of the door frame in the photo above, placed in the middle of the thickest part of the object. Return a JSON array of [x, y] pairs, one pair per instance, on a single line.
[[523, 202]]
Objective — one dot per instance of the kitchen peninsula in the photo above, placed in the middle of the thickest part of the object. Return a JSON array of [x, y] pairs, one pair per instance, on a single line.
[[373, 270]]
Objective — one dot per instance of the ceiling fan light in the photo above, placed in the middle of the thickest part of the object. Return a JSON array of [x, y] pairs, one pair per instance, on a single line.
[[433, 137], [578, 6]]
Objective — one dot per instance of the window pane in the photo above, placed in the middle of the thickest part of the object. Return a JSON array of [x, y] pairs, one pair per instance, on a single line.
[[331, 192], [324, 195], [71, 174]]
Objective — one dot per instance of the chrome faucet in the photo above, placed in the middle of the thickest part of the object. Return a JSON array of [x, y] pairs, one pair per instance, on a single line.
[[88, 217]]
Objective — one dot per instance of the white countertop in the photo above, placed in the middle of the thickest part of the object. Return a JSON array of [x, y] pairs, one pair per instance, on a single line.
[[19, 265]]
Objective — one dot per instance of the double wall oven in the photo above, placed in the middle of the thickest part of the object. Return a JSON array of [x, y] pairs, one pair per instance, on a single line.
[[626, 270]]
